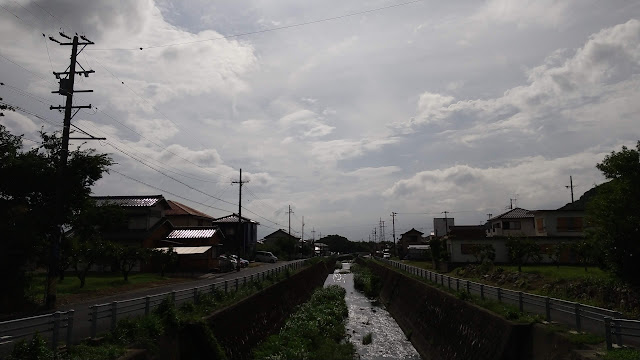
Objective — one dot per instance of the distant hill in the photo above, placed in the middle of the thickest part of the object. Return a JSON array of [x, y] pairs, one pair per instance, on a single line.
[[581, 204]]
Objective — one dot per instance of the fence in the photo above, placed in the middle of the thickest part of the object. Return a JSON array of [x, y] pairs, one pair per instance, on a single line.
[[104, 317], [576, 315]]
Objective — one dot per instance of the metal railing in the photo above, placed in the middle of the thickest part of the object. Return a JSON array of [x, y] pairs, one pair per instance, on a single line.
[[103, 317], [51, 326], [579, 316]]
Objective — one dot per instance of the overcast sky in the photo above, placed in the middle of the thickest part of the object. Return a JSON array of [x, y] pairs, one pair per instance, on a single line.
[[419, 108]]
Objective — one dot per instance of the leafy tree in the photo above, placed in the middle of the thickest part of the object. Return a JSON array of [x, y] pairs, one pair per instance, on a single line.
[[484, 252], [522, 249], [555, 252], [586, 250], [165, 259], [614, 213], [31, 216], [127, 257], [436, 251]]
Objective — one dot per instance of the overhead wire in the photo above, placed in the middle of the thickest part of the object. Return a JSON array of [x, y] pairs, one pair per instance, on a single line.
[[265, 30]]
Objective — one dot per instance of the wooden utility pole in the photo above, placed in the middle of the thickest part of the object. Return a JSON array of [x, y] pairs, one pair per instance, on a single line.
[[570, 186], [239, 232], [393, 224], [66, 89]]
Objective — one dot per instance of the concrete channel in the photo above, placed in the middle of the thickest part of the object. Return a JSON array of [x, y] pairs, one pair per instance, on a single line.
[[369, 316]]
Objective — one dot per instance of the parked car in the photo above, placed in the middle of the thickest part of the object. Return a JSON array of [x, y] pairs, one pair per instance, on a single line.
[[243, 262], [386, 255], [265, 256], [225, 264]]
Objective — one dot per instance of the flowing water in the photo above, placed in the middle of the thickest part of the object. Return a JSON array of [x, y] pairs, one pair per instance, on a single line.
[[365, 316]]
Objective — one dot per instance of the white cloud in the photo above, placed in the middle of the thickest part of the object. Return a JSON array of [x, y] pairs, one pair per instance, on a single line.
[[526, 12], [335, 150]]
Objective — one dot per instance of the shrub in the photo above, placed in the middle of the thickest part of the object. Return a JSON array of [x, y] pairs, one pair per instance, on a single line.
[[367, 339], [35, 349]]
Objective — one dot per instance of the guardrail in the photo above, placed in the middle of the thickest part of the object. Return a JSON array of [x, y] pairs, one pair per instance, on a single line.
[[576, 315], [105, 316], [50, 325]]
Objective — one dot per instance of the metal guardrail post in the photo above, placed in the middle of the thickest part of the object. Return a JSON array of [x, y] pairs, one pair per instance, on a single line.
[[147, 304], [213, 288], [520, 302], [482, 291], [251, 279], [578, 320], [244, 280], [499, 294], [618, 332], [226, 286], [114, 315], [173, 296], [457, 284], [547, 308], [94, 321], [468, 287], [236, 284], [607, 332], [70, 327], [195, 295], [449, 281], [442, 280], [56, 330]]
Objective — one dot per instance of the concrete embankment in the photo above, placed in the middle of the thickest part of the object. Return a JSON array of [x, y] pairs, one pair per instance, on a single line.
[[442, 326]]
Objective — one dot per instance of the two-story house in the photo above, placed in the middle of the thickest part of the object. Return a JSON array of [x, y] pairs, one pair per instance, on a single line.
[[515, 222], [243, 244]]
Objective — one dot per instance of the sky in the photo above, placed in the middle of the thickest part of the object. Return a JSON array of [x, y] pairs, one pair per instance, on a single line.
[[346, 111]]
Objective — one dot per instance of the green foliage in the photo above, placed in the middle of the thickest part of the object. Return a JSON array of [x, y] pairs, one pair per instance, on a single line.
[[522, 249], [340, 244], [28, 204], [484, 252], [614, 213], [365, 281], [164, 260], [315, 331], [338, 265], [127, 257], [622, 354], [87, 352], [34, 349], [367, 339]]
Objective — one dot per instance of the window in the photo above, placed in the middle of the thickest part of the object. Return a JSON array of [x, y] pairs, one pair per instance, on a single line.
[[569, 224], [469, 249], [511, 225]]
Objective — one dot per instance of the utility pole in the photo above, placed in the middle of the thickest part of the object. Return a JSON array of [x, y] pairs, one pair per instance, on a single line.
[[313, 242], [289, 212], [393, 223], [302, 238], [66, 89], [383, 234], [570, 186], [446, 223], [239, 232]]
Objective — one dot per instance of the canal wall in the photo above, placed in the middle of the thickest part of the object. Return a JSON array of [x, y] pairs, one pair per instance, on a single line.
[[441, 326], [240, 327]]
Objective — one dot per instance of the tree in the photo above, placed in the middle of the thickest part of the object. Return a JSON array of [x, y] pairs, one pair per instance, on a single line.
[[165, 259], [484, 252], [28, 203], [436, 249], [613, 214], [127, 257], [522, 249], [555, 252]]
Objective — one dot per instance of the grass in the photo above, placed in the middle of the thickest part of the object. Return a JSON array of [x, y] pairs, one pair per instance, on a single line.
[[564, 272], [421, 264], [96, 284], [367, 339], [622, 354], [315, 331]]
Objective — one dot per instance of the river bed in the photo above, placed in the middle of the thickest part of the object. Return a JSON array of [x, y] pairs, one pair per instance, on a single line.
[[388, 340]]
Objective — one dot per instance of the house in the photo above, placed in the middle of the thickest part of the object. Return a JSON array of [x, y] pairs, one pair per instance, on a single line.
[[464, 241], [198, 247], [411, 237], [515, 222], [321, 249], [277, 235], [142, 212], [233, 243], [183, 215]]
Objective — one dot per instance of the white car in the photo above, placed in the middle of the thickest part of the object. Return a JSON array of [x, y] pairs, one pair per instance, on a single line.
[[386, 255], [265, 256]]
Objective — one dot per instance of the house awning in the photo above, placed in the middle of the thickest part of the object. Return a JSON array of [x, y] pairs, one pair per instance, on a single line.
[[186, 250]]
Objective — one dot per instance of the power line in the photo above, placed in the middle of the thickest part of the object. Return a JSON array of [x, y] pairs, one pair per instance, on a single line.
[[266, 30]]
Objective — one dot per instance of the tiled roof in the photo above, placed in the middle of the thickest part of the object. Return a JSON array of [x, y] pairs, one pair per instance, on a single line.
[[133, 201], [182, 209], [192, 233], [517, 213], [185, 250], [233, 218]]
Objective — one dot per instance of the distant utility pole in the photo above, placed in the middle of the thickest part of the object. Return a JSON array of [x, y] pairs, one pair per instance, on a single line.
[[302, 238], [382, 233], [289, 212], [313, 242], [66, 89], [570, 186], [393, 223], [446, 223], [240, 232]]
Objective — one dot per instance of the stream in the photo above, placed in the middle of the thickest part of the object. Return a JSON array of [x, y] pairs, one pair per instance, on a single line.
[[389, 342]]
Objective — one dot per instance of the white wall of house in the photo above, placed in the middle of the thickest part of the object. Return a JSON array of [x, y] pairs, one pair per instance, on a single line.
[[462, 250], [517, 227]]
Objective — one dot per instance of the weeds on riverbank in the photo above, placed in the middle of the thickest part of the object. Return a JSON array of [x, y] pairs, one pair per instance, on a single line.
[[364, 280], [315, 331]]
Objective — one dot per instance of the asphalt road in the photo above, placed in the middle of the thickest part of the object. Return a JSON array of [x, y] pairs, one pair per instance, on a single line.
[[82, 312]]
